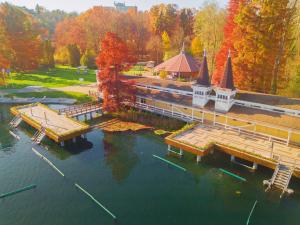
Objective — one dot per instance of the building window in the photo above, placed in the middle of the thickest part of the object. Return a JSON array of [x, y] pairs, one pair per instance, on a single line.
[[143, 101]]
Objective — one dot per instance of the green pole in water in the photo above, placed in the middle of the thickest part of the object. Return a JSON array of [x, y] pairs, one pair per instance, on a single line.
[[248, 221], [173, 164], [233, 175], [18, 191], [98, 203]]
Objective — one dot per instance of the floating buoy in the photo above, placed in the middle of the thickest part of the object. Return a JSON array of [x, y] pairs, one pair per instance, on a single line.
[[18, 191], [14, 135], [233, 175], [167, 161], [251, 212], [98, 203], [48, 161]]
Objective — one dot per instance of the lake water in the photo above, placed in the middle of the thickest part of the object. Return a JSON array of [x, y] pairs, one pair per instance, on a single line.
[[119, 170]]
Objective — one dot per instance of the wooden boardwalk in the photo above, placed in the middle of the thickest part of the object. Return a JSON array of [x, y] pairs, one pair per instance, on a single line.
[[58, 127], [243, 145]]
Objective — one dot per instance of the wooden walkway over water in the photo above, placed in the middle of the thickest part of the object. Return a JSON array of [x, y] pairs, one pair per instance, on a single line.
[[253, 148], [57, 127]]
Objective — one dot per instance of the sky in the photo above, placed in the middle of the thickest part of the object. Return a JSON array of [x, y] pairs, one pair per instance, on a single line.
[[82, 5]]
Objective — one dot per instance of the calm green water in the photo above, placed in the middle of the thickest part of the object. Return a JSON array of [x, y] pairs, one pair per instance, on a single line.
[[120, 171]]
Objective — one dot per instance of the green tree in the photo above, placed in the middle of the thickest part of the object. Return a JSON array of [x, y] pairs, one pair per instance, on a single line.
[[208, 27], [166, 42], [88, 59], [47, 60], [73, 55], [197, 47]]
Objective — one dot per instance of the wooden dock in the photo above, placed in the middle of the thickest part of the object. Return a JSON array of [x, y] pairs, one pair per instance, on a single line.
[[203, 138], [57, 127]]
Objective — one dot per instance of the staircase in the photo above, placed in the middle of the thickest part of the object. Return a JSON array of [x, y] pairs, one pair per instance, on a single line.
[[39, 136], [15, 121], [281, 179]]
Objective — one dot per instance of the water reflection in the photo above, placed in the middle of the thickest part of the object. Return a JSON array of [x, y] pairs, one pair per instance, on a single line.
[[119, 154]]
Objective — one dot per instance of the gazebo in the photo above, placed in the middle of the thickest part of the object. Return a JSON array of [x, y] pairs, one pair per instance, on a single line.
[[182, 65]]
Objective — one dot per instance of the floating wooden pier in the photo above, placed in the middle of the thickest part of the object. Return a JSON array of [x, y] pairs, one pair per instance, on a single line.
[[202, 139], [57, 127]]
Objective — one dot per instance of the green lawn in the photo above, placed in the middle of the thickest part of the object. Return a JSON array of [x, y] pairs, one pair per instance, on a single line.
[[135, 70], [81, 98], [60, 76]]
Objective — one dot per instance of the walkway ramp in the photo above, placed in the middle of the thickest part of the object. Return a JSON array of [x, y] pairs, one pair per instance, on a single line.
[[56, 127], [78, 110]]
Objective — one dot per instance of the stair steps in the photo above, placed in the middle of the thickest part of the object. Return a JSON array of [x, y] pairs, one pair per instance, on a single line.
[[15, 121], [281, 179], [39, 136]]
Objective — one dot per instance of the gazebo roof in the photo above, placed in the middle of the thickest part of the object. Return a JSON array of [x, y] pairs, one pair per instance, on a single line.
[[227, 80], [203, 77], [182, 63]]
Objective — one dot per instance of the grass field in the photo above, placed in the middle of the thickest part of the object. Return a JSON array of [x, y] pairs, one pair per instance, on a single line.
[[81, 98], [61, 76]]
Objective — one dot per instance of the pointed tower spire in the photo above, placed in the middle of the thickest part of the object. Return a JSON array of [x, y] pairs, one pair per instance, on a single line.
[[227, 80], [203, 77]]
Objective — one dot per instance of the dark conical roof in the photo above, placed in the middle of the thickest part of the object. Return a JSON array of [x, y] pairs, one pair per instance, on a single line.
[[227, 80], [203, 77]]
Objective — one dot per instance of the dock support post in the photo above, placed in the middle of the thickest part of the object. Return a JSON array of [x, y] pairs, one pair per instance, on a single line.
[[214, 118], [169, 148], [254, 166], [198, 158], [85, 117], [91, 116], [202, 119], [232, 158], [181, 153], [62, 144], [74, 140]]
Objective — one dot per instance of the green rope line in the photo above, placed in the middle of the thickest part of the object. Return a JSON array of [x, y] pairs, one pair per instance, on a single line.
[[18, 191], [248, 221], [167, 161], [98, 203], [233, 175]]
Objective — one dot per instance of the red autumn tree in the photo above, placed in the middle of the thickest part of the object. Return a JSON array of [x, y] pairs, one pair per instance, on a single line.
[[113, 58], [227, 44]]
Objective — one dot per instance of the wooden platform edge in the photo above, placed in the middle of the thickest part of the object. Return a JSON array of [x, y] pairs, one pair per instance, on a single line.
[[50, 133]]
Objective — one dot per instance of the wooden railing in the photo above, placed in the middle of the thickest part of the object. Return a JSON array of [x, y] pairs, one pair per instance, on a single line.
[[190, 114], [77, 110]]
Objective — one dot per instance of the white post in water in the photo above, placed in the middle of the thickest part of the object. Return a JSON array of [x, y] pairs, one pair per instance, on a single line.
[[202, 119], [172, 110], [232, 158], [74, 140], [62, 144], [181, 153], [254, 166], [198, 158], [169, 148]]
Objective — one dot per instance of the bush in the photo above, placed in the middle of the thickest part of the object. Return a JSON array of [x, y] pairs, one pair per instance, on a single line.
[[88, 59], [163, 74], [73, 55], [150, 119]]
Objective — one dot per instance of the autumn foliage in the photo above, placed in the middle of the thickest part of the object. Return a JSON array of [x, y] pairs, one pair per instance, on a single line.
[[113, 58], [221, 57]]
